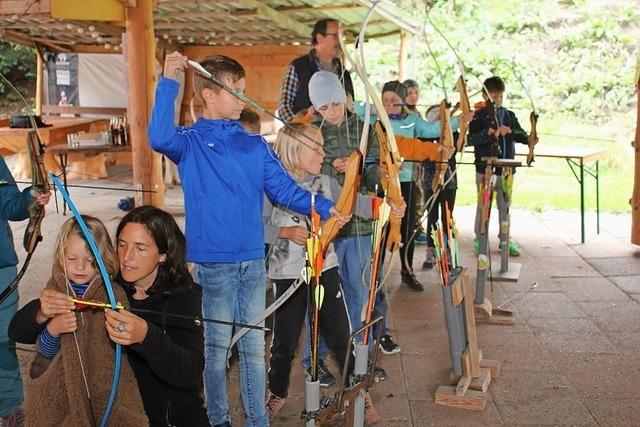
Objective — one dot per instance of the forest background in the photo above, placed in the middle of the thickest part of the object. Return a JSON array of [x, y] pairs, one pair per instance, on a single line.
[[576, 59]]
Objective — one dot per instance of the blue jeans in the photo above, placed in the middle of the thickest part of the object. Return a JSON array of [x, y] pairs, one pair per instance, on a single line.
[[233, 291], [11, 393], [354, 258]]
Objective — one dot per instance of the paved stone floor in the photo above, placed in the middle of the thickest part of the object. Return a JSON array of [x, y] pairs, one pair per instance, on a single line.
[[571, 358]]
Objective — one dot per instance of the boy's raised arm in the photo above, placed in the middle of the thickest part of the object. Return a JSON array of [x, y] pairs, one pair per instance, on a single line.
[[163, 136]]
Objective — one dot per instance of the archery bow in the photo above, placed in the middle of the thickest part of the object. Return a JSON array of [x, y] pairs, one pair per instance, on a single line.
[[389, 156], [446, 140], [533, 118], [32, 234], [108, 287]]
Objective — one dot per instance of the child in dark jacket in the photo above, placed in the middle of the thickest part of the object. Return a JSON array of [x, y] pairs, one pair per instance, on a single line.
[[224, 172], [488, 141], [15, 205]]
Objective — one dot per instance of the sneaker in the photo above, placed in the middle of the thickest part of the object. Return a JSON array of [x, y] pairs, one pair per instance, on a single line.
[[371, 415], [388, 346], [325, 377], [476, 246], [14, 419], [430, 260], [409, 279], [514, 249], [273, 405], [421, 239]]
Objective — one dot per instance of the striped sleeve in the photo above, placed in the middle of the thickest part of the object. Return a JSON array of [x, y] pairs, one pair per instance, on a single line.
[[288, 92], [48, 345]]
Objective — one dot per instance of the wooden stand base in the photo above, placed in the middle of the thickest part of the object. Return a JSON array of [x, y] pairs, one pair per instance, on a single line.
[[469, 390], [486, 313], [511, 275]]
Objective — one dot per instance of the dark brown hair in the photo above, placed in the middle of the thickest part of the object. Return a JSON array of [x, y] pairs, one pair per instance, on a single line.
[[221, 68], [320, 28], [493, 84], [173, 274]]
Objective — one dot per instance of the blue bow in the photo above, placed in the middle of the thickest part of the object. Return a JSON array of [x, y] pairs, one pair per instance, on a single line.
[[108, 287]]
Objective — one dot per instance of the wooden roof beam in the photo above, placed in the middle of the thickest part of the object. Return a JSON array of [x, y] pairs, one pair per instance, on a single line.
[[278, 18], [325, 8]]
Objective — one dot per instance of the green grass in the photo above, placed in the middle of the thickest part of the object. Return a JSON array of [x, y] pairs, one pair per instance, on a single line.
[[550, 184]]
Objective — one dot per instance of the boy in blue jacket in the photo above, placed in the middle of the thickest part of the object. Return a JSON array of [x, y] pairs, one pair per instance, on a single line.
[[224, 172], [14, 206]]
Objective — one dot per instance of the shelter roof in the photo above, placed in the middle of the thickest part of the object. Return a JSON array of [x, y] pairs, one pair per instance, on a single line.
[[199, 22]]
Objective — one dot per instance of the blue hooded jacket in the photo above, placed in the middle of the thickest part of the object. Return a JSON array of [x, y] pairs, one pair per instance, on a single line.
[[224, 172], [14, 206]]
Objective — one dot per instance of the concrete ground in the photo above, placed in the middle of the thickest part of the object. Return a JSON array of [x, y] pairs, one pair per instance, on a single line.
[[570, 359]]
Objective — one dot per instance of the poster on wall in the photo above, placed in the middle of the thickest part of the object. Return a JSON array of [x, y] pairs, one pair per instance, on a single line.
[[62, 70]]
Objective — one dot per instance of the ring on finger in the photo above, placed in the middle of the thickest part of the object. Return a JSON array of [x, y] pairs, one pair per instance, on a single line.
[[121, 327]]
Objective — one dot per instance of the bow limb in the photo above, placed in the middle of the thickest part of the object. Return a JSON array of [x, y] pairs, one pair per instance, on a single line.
[[465, 107], [533, 137], [109, 288], [389, 155], [32, 234], [533, 118], [446, 140], [391, 185]]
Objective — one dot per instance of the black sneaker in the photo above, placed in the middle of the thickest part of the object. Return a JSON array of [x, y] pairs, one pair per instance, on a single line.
[[410, 280], [324, 376], [388, 346]]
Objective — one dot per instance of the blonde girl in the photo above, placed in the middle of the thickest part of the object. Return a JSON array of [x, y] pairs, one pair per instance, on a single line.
[[71, 374]]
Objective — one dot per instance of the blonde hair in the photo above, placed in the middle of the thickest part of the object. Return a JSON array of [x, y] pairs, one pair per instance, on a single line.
[[290, 141], [101, 237]]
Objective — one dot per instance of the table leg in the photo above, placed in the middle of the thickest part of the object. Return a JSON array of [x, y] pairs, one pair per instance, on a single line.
[[582, 231], [598, 196]]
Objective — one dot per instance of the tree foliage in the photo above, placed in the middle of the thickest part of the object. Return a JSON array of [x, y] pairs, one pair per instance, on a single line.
[[573, 56], [18, 65]]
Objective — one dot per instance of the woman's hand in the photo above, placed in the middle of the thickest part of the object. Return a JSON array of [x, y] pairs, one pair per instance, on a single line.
[[62, 324], [125, 327], [53, 303], [174, 64], [297, 234]]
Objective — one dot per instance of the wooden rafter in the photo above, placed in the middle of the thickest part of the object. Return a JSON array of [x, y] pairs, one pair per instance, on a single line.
[[279, 18]]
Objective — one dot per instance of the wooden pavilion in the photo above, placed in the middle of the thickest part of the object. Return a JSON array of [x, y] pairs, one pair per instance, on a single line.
[[263, 35]]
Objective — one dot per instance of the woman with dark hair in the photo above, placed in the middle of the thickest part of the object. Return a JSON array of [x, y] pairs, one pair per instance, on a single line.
[[165, 351]]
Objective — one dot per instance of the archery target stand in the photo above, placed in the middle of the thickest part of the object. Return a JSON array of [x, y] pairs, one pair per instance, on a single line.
[[468, 391], [484, 310]]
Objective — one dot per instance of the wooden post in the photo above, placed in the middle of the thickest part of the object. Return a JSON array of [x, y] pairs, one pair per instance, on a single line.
[[140, 43], [635, 200], [39, 81], [402, 60]]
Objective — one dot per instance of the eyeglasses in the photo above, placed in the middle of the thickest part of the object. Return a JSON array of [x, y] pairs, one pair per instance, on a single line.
[[331, 34]]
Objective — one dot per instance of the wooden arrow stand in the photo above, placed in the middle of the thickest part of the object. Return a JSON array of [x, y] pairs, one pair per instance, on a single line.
[[487, 314], [470, 390], [484, 310]]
